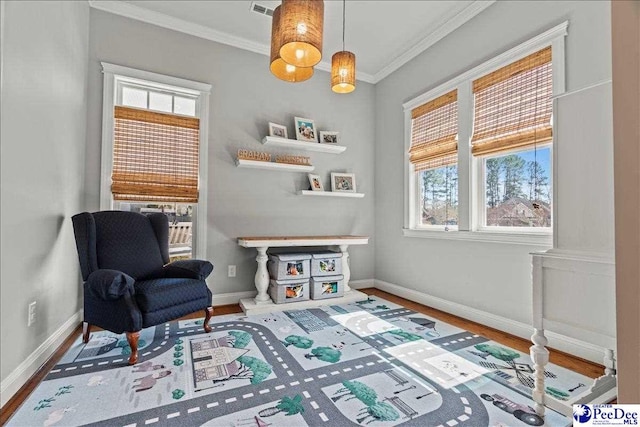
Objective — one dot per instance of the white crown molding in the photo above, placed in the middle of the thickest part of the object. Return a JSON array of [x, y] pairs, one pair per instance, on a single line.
[[540, 41], [162, 20], [442, 28]]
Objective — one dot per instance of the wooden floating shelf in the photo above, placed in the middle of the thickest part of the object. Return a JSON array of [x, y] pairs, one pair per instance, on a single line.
[[330, 194], [302, 145], [286, 167]]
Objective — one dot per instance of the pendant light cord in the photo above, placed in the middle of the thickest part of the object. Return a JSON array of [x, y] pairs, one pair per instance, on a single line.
[[344, 6]]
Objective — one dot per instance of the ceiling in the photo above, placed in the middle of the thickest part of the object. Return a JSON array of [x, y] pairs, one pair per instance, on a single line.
[[383, 34]]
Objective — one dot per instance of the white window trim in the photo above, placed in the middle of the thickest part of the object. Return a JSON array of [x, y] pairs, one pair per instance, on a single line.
[[468, 165], [114, 73]]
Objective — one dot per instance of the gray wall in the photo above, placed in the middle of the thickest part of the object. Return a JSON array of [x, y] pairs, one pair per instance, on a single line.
[[43, 139], [244, 98], [490, 276]]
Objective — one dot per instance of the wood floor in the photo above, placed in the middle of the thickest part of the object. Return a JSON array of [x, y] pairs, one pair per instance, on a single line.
[[576, 364]]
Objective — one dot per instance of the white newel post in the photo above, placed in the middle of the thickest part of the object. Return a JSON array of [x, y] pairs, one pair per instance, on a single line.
[[346, 271], [262, 276], [538, 351], [540, 357]]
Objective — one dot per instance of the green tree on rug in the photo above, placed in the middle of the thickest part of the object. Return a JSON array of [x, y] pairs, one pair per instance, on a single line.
[[298, 341], [326, 354], [239, 339], [501, 353], [356, 390], [252, 369], [65, 389], [556, 393], [380, 411], [291, 406], [44, 403], [405, 335]]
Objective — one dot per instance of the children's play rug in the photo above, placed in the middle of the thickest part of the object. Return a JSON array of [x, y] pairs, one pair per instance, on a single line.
[[370, 363]]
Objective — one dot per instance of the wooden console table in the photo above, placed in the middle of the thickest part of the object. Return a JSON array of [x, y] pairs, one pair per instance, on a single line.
[[262, 302]]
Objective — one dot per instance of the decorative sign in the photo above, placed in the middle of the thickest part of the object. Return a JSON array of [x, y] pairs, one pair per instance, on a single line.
[[293, 160], [254, 155]]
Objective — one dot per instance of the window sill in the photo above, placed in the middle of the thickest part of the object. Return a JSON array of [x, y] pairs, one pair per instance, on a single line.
[[535, 239]]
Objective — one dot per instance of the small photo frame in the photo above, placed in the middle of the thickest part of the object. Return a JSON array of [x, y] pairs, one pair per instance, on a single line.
[[343, 182], [329, 137], [305, 130], [315, 182], [277, 130]]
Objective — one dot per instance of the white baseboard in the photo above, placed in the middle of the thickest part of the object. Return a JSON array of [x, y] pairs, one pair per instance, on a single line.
[[560, 342], [232, 297], [361, 284], [235, 297], [16, 379]]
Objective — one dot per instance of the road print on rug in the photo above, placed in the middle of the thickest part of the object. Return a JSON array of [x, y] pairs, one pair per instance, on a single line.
[[370, 363]]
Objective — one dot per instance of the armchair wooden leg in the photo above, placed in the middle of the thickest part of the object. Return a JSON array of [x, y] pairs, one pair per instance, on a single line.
[[86, 330], [208, 312], [132, 338]]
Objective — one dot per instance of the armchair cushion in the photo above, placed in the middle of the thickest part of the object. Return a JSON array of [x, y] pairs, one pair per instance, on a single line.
[[109, 284], [188, 269], [157, 294]]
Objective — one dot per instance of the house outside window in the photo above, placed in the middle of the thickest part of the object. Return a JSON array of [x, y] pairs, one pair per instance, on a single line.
[[479, 159], [154, 135]]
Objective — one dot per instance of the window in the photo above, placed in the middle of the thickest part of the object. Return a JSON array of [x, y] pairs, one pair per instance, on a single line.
[[517, 189], [433, 156], [480, 148], [512, 136], [154, 131]]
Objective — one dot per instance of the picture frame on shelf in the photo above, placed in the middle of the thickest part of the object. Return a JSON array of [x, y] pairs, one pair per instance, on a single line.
[[305, 130], [329, 137], [277, 130], [315, 182], [343, 182]]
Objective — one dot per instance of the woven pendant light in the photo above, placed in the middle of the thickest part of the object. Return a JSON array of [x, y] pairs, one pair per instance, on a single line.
[[301, 23], [279, 68], [343, 66]]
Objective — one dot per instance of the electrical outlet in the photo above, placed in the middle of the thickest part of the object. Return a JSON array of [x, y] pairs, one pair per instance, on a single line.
[[231, 271], [32, 314]]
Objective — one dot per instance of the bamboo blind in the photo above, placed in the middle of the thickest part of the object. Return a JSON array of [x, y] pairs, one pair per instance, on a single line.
[[155, 156], [513, 105], [434, 129]]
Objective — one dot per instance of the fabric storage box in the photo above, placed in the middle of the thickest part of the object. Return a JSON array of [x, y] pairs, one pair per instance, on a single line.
[[283, 291], [327, 287], [289, 266], [326, 264]]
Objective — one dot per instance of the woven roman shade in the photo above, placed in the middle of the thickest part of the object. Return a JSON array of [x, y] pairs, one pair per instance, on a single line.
[[155, 156], [513, 105], [434, 129]]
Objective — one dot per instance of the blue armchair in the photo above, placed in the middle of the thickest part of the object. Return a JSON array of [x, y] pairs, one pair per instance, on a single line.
[[129, 283]]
